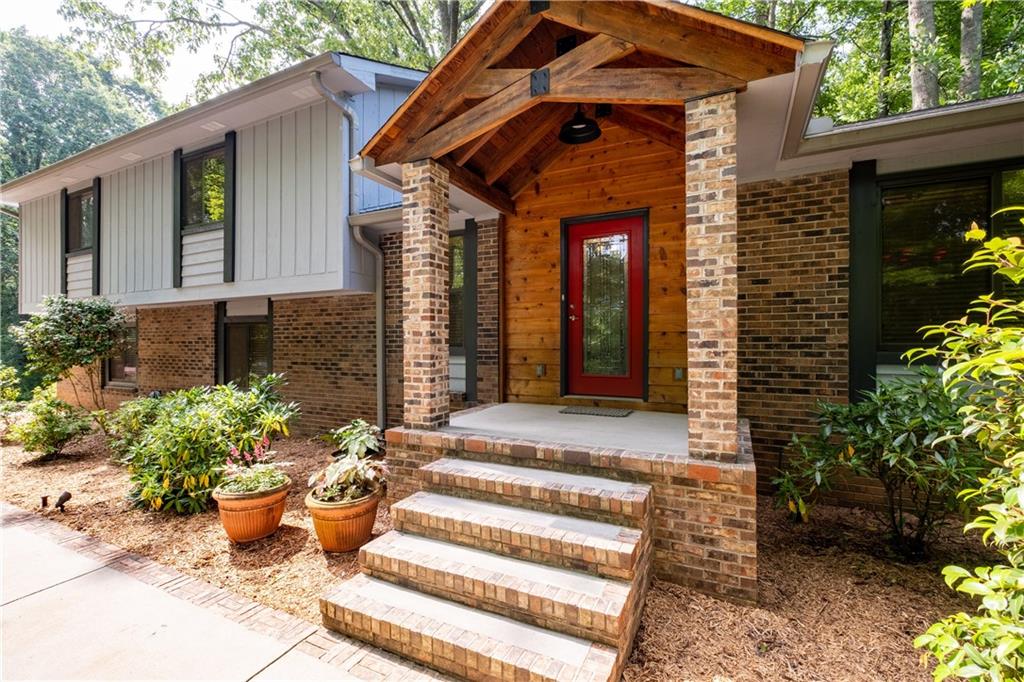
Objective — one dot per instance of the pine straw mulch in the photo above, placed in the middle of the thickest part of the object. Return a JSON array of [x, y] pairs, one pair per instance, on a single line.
[[833, 604]]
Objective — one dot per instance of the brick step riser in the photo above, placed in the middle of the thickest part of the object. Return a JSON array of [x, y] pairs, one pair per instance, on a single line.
[[533, 610], [559, 554], [589, 509], [579, 466]]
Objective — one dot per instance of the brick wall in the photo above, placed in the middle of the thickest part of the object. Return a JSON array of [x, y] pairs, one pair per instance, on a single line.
[[793, 335], [326, 348]]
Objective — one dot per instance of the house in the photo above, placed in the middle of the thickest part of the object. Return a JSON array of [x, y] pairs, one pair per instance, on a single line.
[[616, 208]]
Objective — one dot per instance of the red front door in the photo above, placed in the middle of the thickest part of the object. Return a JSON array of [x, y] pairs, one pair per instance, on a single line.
[[605, 307]]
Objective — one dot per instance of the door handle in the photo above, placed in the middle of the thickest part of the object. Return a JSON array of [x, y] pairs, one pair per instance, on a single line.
[[572, 318]]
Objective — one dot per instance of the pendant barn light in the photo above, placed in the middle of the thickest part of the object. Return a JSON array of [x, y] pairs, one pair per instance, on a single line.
[[579, 129]]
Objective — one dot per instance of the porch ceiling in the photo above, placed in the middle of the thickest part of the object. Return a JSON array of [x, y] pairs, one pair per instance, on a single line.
[[477, 114], [642, 431]]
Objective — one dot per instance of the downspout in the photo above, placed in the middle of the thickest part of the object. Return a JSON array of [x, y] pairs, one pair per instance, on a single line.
[[360, 238]]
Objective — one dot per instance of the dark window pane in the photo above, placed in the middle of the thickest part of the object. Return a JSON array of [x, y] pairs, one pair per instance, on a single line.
[[457, 291], [923, 254], [605, 305], [259, 350], [124, 368], [203, 189], [80, 221], [1013, 195], [236, 351]]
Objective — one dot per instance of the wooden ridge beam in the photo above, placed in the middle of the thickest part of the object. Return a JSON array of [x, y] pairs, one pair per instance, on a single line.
[[473, 184], [515, 99], [555, 116], [642, 86], [663, 33]]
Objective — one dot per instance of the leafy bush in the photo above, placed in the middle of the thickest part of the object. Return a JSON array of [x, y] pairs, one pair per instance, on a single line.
[[52, 424], [127, 424], [70, 333], [348, 478], [902, 436], [10, 391], [357, 438], [252, 479], [179, 458], [983, 357]]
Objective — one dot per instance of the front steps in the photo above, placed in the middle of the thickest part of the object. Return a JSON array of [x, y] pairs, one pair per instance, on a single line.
[[498, 572]]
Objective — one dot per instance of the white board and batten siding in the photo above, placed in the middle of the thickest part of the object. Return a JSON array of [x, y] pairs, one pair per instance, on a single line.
[[39, 251]]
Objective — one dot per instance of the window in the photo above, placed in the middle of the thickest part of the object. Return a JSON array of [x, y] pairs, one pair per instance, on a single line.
[[462, 310], [80, 221], [908, 251], [124, 368], [245, 346], [202, 185], [457, 292]]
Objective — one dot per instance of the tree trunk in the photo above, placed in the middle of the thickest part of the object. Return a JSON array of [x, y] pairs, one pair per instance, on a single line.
[[924, 81], [885, 57], [970, 52]]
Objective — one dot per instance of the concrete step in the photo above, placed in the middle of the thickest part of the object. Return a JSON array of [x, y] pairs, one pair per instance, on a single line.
[[580, 544], [558, 599], [600, 499], [460, 640]]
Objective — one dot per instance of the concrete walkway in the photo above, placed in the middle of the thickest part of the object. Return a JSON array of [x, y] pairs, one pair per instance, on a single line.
[[76, 608]]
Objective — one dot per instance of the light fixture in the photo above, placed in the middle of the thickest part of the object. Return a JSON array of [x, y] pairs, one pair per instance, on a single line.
[[579, 129]]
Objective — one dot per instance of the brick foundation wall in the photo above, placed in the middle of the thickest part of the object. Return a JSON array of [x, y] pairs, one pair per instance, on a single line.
[[326, 348], [705, 512], [793, 303]]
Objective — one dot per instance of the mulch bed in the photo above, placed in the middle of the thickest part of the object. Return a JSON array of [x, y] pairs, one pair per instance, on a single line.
[[834, 605]]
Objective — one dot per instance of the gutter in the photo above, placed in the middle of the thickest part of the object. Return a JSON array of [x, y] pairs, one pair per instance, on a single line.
[[360, 238], [806, 83]]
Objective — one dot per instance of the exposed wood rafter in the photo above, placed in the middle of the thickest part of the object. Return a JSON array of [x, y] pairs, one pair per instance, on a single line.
[[642, 86], [516, 98], [659, 132], [537, 166], [510, 154], [474, 185], [490, 81], [469, 150]]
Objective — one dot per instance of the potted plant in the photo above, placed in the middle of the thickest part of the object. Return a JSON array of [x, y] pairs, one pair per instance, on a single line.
[[251, 500], [343, 501], [358, 438]]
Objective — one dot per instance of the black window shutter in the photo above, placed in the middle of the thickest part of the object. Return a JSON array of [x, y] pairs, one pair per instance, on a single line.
[[97, 231], [229, 206], [176, 221], [64, 241]]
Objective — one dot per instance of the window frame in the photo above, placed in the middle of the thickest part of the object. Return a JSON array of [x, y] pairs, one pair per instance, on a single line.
[[123, 383], [865, 279], [195, 228], [469, 305], [224, 321]]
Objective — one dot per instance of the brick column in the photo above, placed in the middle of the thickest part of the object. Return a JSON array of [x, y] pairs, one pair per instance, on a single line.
[[425, 294], [711, 289]]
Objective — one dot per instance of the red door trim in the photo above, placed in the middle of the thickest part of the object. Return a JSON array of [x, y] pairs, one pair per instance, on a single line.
[[575, 382]]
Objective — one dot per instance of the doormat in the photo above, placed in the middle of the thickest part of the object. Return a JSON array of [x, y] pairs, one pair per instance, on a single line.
[[597, 411]]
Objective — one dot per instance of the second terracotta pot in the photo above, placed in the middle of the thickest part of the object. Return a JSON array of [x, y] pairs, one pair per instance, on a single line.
[[251, 516], [343, 526]]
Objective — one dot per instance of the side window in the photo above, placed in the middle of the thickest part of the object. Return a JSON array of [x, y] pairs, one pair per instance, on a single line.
[[124, 368], [202, 187], [457, 293], [246, 351], [80, 221]]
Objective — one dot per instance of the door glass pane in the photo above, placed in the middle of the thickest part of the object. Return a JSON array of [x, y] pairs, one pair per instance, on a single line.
[[236, 352], [259, 350], [923, 254], [605, 296]]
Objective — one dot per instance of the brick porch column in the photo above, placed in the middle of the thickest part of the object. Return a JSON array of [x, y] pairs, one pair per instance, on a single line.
[[711, 288], [425, 293]]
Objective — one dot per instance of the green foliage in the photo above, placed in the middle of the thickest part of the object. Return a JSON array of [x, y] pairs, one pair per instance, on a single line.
[[126, 425], [982, 355], [269, 34], [179, 458], [902, 436], [72, 333], [52, 424], [356, 439], [10, 392], [348, 478], [252, 479]]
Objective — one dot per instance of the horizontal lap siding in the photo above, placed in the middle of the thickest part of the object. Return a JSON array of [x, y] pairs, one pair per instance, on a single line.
[[80, 276], [202, 258], [39, 247], [622, 171]]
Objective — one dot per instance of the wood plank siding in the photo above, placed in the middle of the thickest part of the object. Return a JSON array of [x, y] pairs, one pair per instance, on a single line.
[[622, 171]]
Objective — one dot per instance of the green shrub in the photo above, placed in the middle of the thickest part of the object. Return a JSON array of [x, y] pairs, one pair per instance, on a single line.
[[126, 425], [10, 392], [902, 436], [357, 438], [52, 424], [983, 358], [179, 458], [252, 479]]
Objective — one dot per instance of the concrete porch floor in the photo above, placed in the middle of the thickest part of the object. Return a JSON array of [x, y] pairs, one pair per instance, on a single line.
[[655, 432]]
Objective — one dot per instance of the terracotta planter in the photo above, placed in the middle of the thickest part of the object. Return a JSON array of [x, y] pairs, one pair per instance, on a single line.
[[343, 526], [251, 516]]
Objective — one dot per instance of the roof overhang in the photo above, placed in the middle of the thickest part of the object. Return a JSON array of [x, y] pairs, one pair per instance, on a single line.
[[204, 123]]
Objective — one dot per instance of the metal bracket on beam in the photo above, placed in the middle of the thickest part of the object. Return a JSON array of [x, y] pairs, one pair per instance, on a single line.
[[540, 82], [538, 6]]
